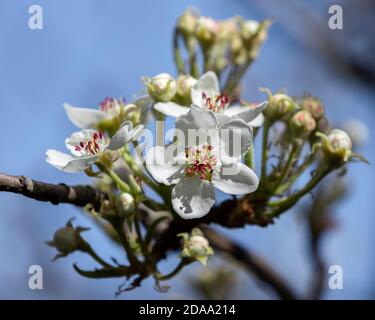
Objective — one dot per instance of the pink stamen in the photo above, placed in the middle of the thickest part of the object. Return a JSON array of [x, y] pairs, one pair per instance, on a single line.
[[215, 103], [200, 162]]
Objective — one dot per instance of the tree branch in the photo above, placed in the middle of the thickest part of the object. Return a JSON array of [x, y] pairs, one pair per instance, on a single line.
[[54, 193], [251, 262], [223, 215]]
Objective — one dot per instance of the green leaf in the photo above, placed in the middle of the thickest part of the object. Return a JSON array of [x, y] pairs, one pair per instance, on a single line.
[[103, 273]]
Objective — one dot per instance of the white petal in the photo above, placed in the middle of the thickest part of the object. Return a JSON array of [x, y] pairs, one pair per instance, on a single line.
[[258, 121], [161, 166], [193, 198], [207, 83], [221, 117], [84, 118], [197, 122], [235, 138], [171, 109], [75, 139], [235, 179], [246, 113], [68, 163], [123, 135]]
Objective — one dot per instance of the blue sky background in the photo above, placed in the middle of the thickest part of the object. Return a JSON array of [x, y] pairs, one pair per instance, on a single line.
[[92, 49]]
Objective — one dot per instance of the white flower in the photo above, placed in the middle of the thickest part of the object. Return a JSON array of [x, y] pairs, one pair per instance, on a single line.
[[205, 94], [88, 118], [88, 145], [339, 139], [201, 167]]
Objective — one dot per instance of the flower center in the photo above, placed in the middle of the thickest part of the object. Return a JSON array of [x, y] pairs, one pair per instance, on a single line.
[[200, 162], [215, 103], [92, 145]]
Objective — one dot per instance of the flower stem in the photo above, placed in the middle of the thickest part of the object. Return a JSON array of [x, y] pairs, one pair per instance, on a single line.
[[286, 203], [263, 174], [249, 158], [296, 148], [178, 268], [121, 185], [300, 170], [177, 54], [89, 250]]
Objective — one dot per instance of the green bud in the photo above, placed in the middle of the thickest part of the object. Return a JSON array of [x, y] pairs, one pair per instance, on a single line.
[[279, 105], [125, 204], [248, 29], [302, 124], [67, 240], [314, 106], [227, 29], [184, 84], [195, 246], [161, 87], [206, 30], [337, 146], [186, 24]]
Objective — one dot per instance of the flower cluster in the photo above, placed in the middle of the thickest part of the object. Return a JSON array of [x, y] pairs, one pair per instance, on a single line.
[[211, 149], [230, 42]]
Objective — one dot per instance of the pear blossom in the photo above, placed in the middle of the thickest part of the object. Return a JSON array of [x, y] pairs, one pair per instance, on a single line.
[[205, 94], [89, 118], [88, 145], [201, 167]]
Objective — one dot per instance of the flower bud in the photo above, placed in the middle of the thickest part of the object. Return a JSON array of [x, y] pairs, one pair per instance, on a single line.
[[314, 106], [187, 22], [261, 34], [67, 240], [184, 84], [206, 30], [302, 124], [249, 28], [227, 29], [279, 105], [339, 139], [337, 146], [196, 246], [161, 87], [125, 204]]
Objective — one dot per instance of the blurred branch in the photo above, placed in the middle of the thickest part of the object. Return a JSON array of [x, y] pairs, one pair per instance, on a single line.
[[255, 265], [54, 193], [320, 221]]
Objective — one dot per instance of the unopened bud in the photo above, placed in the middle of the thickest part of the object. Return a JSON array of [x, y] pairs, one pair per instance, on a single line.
[[206, 30], [339, 139], [67, 240], [337, 146], [314, 106], [279, 105], [125, 204], [196, 246], [186, 24], [302, 124], [161, 87], [227, 29], [249, 28], [183, 91]]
